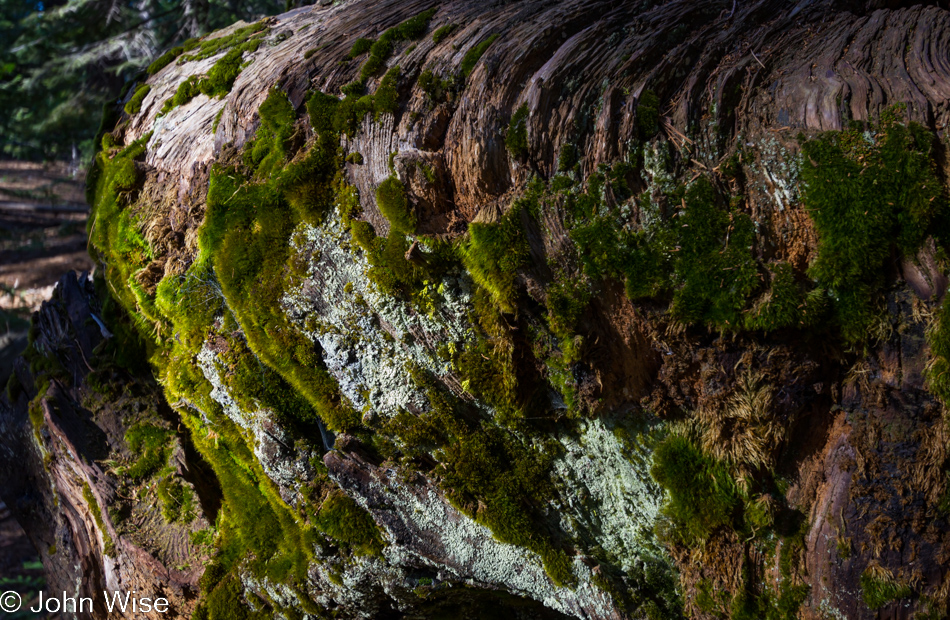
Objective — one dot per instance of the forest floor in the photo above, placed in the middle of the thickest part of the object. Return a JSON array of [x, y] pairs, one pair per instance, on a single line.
[[42, 235]]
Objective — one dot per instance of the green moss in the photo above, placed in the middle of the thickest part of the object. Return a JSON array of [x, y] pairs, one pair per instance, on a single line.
[[382, 48], [567, 300], [322, 110], [648, 114], [150, 446], [108, 544], [390, 271], [35, 411], [114, 237], [186, 91], [134, 104], [473, 55], [516, 138], [436, 88], [226, 602], [880, 587], [209, 47], [270, 147], [868, 195], [360, 47], [567, 157], [178, 501], [223, 73], [164, 60], [124, 174], [702, 494], [714, 263], [393, 202], [386, 98], [255, 523], [938, 368], [354, 158], [493, 253], [217, 120], [341, 518], [442, 32], [787, 303], [247, 225]]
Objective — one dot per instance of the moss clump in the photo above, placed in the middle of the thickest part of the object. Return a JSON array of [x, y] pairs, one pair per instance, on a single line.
[[115, 237], [221, 76], [436, 88], [702, 494], [567, 157], [108, 544], [322, 109], [386, 98], [473, 55], [209, 47], [254, 521], [393, 202], [516, 138], [648, 114], [124, 174], [879, 587], [133, 105], [178, 500], [786, 304], [493, 253], [164, 60], [150, 446], [341, 518], [567, 299], [186, 91], [868, 195], [270, 147], [442, 32], [938, 366], [360, 47], [354, 158], [382, 48], [248, 224], [703, 257], [488, 473], [714, 263]]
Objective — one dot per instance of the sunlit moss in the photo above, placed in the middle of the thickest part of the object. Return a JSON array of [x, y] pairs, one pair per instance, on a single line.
[[341, 518], [108, 543], [394, 204], [442, 32], [134, 104], [381, 49], [473, 55], [494, 252]]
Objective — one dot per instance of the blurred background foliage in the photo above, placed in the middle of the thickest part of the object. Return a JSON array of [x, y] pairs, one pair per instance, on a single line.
[[61, 60]]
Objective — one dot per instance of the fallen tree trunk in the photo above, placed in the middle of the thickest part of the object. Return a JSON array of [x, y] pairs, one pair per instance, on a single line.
[[582, 309]]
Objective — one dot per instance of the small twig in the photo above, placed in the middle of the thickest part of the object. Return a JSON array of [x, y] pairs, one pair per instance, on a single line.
[[733, 9], [757, 59]]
